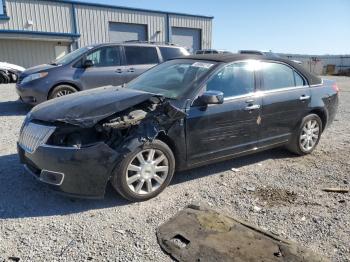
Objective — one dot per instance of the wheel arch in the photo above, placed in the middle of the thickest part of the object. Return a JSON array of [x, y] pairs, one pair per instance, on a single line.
[[322, 114]]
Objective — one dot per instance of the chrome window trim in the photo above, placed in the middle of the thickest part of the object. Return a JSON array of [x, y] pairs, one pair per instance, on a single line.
[[230, 98], [283, 89]]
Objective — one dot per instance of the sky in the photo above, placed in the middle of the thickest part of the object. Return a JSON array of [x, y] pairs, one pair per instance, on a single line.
[[298, 26]]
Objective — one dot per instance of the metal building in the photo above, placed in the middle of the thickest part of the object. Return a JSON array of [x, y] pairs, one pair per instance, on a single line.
[[38, 31]]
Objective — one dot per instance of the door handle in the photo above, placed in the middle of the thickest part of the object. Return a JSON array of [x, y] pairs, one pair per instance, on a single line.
[[119, 71], [304, 97], [131, 70], [252, 107]]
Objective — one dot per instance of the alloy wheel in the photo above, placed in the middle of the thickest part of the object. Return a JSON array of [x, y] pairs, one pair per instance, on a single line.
[[147, 171], [309, 135], [63, 93]]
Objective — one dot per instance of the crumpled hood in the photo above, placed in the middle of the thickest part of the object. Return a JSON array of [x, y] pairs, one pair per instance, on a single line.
[[86, 108]]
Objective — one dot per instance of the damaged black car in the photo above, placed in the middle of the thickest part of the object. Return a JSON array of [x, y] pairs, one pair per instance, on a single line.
[[180, 114]]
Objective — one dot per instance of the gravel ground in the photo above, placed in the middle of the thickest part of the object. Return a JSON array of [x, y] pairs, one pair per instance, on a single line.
[[274, 190]]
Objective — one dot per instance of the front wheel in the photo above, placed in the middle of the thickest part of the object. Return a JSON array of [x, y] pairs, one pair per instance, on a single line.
[[62, 90], [306, 138], [145, 172]]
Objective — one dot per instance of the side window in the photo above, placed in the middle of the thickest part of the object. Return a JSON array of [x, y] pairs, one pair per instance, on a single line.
[[141, 55], [276, 76], [299, 81], [171, 52], [105, 56], [233, 80]]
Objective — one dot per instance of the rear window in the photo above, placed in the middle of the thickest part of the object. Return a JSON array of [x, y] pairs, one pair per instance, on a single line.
[[170, 53], [276, 76], [141, 55]]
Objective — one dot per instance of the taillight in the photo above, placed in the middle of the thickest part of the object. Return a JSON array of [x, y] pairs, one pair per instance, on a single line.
[[335, 87]]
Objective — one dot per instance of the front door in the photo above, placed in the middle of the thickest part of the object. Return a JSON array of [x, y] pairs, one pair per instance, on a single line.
[[106, 69], [285, 99], [139, 59], [216, 131]]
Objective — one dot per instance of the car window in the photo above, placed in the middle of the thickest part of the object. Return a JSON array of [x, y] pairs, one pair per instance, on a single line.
[[171, 52], [233, 80], [276, 76], [140, 55], [299, 81], [105, 56]]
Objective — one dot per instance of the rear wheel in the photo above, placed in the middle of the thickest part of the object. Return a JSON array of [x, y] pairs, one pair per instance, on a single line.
[[145, 172], [306, 138], [62, 90]]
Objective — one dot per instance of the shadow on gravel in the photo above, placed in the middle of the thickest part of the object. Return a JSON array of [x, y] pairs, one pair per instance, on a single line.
[[14, 108], [22, 196], [184, 176]]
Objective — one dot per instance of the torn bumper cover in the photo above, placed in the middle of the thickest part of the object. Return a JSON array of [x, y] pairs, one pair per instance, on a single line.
[[86, 171]]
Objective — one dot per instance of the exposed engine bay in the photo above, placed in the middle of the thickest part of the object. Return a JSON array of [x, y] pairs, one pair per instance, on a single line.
[[143, 121]]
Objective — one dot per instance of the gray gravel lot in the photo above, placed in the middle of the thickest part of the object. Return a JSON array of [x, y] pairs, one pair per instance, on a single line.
[[38, 225]]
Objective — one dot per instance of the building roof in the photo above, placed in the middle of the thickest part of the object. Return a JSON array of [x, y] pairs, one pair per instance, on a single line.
[[228, 58]]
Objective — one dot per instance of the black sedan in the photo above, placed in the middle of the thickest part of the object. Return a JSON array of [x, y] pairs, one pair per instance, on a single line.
[[180, 114]]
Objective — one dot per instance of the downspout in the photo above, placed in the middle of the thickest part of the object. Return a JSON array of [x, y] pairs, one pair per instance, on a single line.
[[168, 29], [75, 27], [4, 7]]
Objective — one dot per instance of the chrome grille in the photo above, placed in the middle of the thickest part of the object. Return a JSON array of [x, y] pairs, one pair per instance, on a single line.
[[33, 135]]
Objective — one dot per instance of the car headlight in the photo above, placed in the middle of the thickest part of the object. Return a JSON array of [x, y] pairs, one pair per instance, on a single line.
[[34, 76]]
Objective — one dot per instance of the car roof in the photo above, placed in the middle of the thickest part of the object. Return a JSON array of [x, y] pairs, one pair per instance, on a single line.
[[228, 58], [131, 43]]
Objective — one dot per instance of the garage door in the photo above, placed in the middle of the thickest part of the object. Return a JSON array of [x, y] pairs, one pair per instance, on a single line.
[[187, 37], [27, 53], [119, 32]]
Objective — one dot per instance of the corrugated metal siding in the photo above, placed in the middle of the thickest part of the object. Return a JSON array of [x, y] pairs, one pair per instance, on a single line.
[[26, 53], [318, 63], [46, 16], [195, 22], [98, 30]]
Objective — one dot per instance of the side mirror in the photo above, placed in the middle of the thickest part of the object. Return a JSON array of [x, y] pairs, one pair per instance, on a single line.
[[88, 63], [211, 97]]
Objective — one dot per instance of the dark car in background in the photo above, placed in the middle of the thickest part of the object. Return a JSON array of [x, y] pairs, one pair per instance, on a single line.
[[178, 115], [91, 67]]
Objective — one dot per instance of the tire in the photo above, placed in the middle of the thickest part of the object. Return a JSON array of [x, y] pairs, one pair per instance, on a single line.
[[306, 137], [144, 182], [61, 90], [4, 79]]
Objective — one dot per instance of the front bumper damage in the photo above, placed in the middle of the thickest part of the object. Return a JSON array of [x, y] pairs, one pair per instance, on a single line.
[[86, 171], [117, 126]]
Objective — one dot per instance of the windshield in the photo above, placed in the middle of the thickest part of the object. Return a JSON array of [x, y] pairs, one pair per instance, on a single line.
[[172, 79], [71, 56]]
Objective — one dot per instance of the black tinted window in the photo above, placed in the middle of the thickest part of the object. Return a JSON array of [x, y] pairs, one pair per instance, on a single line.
[[299, 81], [140, 55], [169, 53], [233, 80], [277, 76], [106, 56]]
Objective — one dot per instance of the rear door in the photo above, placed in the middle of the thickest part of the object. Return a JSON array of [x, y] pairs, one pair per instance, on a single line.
[[106, 69], [285, 98], [138, 59], [216, 131]]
